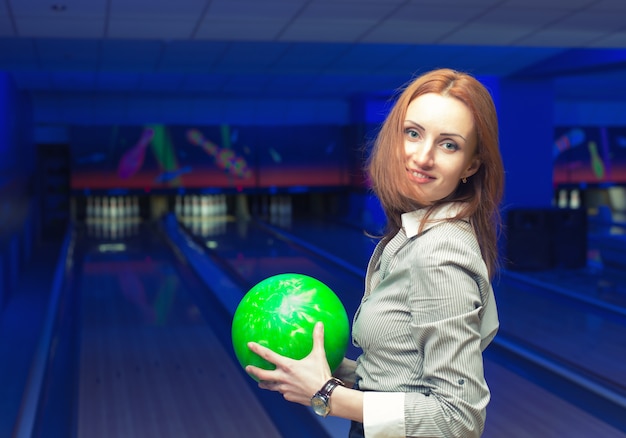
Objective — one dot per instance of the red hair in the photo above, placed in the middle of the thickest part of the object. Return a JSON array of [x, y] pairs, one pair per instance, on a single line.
[[483, 191]]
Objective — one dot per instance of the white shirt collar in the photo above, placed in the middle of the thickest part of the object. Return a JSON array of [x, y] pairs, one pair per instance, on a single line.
[[412, 220]]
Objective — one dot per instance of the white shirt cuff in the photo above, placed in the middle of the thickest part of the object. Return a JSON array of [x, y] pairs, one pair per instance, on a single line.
[[383, 414]]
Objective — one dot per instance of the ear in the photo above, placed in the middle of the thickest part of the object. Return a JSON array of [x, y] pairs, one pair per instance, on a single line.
[[472, 168]]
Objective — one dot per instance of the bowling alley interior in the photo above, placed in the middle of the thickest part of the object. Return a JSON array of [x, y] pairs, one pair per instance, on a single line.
[[158, 159]]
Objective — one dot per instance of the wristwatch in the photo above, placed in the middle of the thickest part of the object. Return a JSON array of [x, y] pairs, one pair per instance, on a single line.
[[321, 400]]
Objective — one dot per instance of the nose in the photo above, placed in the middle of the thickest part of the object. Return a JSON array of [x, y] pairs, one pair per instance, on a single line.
[[421, 155]]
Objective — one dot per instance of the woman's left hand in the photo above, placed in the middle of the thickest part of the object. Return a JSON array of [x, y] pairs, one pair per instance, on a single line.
[[296, 380]]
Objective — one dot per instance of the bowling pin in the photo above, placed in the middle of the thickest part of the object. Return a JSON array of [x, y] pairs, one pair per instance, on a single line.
[[178, 206], [195, 206], [136, 210], [574, 199], [212, 205], [204, 206], [97, 208], [114, 209], [563, 198]]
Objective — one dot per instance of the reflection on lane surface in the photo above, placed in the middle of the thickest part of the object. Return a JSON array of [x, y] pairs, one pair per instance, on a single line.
[[149, 362]]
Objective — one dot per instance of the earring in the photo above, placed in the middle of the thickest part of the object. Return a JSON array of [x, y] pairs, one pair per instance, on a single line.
[[464, 180]]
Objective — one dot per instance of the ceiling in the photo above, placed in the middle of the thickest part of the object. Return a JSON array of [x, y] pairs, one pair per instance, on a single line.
[[307, 48]]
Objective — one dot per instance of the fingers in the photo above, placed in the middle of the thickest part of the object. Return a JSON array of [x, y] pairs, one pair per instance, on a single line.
[[264, 377], [265, 384], [286, 368], [318, 338], [265, 353]]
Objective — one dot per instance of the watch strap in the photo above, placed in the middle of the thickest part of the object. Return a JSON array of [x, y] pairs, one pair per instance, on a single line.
[[330, 386]]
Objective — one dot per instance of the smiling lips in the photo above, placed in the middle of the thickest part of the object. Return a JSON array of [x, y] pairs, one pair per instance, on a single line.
[[419, 177]]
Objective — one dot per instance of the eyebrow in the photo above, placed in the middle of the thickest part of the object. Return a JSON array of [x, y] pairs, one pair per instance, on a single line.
[[448, 134]]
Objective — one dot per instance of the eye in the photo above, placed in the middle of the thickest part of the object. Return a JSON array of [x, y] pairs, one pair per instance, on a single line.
[[450, 146], [412, 133]]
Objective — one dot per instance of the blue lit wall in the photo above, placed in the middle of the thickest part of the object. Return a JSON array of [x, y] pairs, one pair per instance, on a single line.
[[7, 121], [17, 221], [17, 160], [124, 109]]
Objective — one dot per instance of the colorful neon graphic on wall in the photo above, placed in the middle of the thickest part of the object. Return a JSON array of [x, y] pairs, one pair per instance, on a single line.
[[163, 149], [212, 157], [225, 158], [590, 155]]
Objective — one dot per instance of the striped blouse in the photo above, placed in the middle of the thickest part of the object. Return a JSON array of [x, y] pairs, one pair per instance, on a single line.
[[427, 314]]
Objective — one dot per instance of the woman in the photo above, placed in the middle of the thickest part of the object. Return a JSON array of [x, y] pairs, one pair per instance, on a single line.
[[428, 310]]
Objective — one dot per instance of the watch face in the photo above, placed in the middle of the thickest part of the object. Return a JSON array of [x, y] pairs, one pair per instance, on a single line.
[[320, 405]]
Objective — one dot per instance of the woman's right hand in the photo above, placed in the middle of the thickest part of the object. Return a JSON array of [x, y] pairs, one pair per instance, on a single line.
[[296, 380]]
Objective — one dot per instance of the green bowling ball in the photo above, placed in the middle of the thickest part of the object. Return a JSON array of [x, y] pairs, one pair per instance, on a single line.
[[280, 313]]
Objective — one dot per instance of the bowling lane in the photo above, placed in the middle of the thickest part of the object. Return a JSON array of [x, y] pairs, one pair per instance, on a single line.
[[583, 338], [253, 253], [150, 363], [521, 407], [604, 287], [603, 280]]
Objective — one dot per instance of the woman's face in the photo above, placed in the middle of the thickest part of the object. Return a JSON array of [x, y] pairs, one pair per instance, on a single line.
[[440, 144]]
